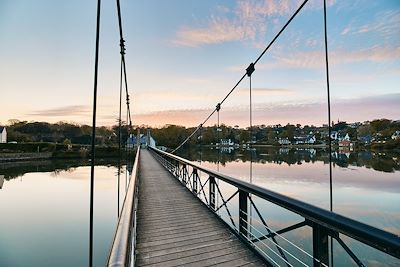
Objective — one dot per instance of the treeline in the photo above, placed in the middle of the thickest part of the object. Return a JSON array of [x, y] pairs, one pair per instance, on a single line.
[[172, 135], [62, 132]]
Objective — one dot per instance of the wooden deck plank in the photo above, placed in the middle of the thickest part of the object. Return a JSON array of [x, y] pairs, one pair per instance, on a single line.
[[175, 229]]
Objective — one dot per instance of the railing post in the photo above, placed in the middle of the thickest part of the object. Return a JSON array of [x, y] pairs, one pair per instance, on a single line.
[[194, 177], [320, 245], [184, 174], [176, 168], [211, 192], [243, 196]]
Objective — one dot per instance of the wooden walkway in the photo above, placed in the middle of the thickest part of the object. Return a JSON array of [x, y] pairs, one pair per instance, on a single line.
[[175, 229]]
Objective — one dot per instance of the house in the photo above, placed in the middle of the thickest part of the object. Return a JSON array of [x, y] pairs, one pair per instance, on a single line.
[[340, 136], [343, 143], [396, 135], [305, 139], [143, 140], [226, 142], [3, 134], [284, 141], [334, 135]]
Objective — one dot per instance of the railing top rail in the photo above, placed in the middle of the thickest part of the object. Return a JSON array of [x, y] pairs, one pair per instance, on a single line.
[[121, 247], [374, 237]]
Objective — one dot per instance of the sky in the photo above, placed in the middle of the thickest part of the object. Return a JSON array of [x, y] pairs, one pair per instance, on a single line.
[[183, 57]]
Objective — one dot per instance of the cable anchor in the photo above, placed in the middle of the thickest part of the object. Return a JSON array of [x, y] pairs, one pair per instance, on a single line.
[[250, 69]]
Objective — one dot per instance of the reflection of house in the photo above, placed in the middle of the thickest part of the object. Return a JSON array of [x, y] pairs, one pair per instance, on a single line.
[[305, 139], [396, 135], [284, 141], [227, 149], [144, 140], [3, 134]]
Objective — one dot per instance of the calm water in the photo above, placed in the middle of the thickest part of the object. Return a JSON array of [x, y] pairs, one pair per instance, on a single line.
[[44, 206], [365, 187], [44, 213]]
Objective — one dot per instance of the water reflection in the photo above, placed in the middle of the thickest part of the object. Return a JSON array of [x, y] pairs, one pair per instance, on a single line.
[[385, 161], [46, 218], [365, 186], [12, 170], [361, 187]]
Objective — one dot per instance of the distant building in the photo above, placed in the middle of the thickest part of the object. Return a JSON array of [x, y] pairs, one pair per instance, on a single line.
[[144, 141], [344, 143], [226, 142], [305, 139], [396, 135], [3, 134], [340, 136]]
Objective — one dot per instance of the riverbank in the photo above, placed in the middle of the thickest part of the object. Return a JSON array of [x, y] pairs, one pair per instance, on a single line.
[[40, 151], [7, 157]]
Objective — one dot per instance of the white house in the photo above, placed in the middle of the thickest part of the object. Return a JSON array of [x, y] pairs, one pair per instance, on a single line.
[[396, 135], [226, 142], [3, 134], [305, 139]]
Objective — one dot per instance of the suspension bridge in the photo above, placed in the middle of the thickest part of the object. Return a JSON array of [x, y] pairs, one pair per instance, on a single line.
[[170, 216]]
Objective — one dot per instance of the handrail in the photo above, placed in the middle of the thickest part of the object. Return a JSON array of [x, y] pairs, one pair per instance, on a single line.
[[374, 237], [125, 235]]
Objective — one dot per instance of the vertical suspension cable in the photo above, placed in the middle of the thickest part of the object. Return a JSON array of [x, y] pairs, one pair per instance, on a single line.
[[119, 133], [126, 150], [329, 105], [329, 122], [251, 116], [219, 142], [96, 66]]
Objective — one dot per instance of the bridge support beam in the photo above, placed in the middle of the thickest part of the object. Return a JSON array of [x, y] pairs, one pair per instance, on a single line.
[[320, 245], [243, 218]]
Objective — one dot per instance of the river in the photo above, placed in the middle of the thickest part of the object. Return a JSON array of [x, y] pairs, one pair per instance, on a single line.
[[44, 205]]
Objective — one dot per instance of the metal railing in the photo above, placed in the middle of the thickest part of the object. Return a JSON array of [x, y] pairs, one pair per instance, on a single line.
[[123, 248], [323, 223]]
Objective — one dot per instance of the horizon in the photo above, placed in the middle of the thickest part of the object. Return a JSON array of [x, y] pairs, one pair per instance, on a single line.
[[187, 56], [15, 121]]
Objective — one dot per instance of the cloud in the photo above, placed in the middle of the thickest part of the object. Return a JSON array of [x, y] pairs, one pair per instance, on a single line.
[[247, 22], [266, 91], [74, 110], [316, 59], [359, 109], [384, 23]]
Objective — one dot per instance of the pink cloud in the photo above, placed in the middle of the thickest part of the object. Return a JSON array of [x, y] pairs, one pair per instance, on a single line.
[[361, 109], [246, 23]]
